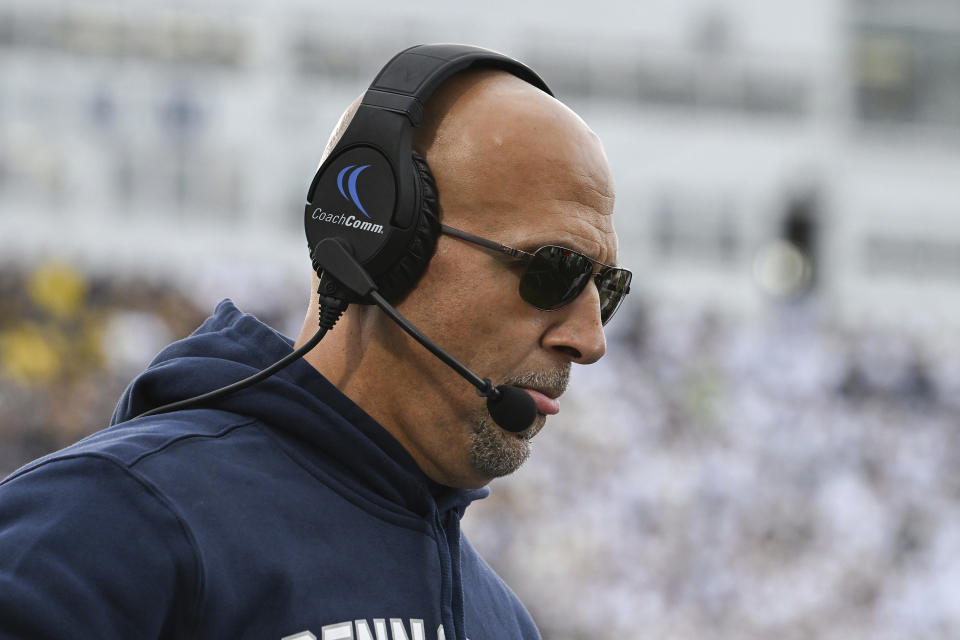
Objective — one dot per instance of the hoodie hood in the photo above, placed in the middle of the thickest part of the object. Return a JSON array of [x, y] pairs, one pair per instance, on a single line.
[[322, 426]]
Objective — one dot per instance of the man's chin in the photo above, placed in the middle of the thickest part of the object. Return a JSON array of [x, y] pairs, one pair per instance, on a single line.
[[496, 452]]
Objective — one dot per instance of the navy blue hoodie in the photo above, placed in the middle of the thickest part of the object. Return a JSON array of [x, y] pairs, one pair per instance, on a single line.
[[285, 512]]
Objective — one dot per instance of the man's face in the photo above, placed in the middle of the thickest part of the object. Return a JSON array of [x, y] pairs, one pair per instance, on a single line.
[[526, 172]]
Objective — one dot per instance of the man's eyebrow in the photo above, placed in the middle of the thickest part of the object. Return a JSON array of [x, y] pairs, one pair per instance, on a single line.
[[531, 247]]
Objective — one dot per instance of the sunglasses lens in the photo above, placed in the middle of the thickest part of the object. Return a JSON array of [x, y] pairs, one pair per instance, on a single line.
[[554, 277], [613, 285]]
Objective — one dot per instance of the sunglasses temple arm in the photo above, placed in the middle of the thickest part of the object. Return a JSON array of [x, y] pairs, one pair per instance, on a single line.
[[483, 242]]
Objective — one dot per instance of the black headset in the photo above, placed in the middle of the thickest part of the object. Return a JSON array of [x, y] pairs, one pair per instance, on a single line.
[[374, 193], [372, 216]]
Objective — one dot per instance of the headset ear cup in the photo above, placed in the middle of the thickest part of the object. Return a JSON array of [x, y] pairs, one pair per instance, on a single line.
[[396, 283]]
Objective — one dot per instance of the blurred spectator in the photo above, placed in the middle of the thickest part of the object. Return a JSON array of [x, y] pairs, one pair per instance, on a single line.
[[69, 344]]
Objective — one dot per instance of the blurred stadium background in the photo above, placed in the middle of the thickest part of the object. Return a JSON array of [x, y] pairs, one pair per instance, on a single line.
[[770, 449]]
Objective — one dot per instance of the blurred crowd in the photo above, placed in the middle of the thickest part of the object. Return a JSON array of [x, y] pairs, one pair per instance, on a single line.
[[779, 475], [69, 344], [775, 476]]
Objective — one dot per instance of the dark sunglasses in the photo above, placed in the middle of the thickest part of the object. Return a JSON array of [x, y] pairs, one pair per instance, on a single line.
[[555, 276]]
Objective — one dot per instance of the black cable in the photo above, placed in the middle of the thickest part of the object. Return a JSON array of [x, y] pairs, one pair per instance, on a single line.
[[330, 311], [484, 387]]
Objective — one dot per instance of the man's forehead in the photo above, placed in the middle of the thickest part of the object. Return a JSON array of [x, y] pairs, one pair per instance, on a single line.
[[554, 165]]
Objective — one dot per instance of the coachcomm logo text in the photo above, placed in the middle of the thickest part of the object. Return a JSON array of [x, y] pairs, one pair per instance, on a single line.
[[347, 221]]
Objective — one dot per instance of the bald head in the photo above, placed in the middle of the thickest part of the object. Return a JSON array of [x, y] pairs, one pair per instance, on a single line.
[[488, 135]]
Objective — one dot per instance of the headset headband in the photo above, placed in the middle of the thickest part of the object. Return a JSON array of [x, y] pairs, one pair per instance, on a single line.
[[406, 82]]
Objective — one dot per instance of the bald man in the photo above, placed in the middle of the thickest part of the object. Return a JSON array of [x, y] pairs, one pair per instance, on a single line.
[[513, 164], [325, 502]]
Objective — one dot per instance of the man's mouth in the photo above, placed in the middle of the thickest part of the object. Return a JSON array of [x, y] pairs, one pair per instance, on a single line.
[[546, 404]]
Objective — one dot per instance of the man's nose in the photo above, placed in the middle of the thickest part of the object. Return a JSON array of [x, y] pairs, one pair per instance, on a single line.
[[578, 332]]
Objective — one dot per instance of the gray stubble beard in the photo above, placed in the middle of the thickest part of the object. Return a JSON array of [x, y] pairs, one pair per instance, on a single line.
[[496, 452]]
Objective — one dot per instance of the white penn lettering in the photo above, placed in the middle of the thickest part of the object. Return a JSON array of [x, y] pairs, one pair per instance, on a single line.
[[360, 630], [339, 631], [363, 630]]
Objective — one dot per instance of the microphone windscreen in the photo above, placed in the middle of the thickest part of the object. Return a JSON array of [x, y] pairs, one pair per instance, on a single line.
[[514, 410]]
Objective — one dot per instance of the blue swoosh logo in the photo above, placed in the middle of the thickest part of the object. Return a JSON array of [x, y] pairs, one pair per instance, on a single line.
[[352, 185], [340, 178]]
